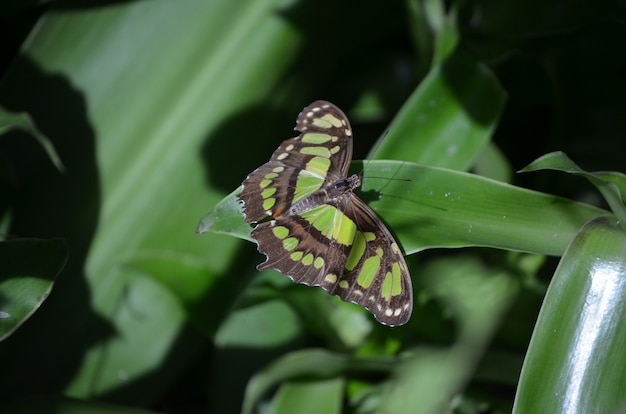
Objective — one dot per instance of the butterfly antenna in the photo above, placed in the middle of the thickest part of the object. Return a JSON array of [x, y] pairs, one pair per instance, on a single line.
[[372, 158]]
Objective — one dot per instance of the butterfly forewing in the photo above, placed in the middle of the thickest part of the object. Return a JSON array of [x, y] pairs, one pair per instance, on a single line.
[[319, 232]]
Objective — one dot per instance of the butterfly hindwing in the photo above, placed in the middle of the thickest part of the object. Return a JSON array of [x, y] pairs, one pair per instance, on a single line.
[[345, 249], [376, 275], [313, 228]]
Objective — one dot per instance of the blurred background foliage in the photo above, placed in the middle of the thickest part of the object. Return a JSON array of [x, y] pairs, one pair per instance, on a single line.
[[126, 121]]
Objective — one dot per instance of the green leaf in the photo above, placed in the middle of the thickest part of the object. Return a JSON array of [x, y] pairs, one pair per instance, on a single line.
[[316, 364], [22, 121], [28, 268], [223, 219], [429, 207], [135, 113], [476, 296], [448, 120], [310, 397], [442, 26], [612, 185], [575, 361]]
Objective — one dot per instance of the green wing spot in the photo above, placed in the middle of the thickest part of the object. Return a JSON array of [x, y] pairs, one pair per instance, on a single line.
[[306, 184], [358, 248], [331, 278], [369, 236], [320, 151], [344, 284], [386, 288], [327, 121], [268, 192], [307, 260], [265, 183], [280, 231], [271, 175], [392, 285], [316, 138], [290, 243], [344, 228], [336, 122], [368, 271], [322, 123], [332, 223], [335, 149], [397, 284], [296, 256], [318, 263], [318, 166], [311, 178], [269, 203], [278, 169], [307, 181]]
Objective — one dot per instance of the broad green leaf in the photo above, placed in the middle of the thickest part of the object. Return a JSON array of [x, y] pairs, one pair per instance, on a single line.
[[413, 383], [263, 325], [251, 337], [429, 207], [311, 364], [477, 297], [612, 185], [310, 397], [575, 361], [448, 120], [28, 268], [446, 208], [135, 114]]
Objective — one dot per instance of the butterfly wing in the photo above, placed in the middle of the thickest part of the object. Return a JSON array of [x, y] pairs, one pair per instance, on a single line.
[[301, 165], [376, 275], [332, 239], [344, 248]]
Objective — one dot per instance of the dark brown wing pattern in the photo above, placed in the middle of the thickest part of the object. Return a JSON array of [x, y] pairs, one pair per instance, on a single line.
[[319, 232]]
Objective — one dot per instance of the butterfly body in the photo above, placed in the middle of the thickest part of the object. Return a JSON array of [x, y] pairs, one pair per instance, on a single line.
[[313, 227], [332, 193]]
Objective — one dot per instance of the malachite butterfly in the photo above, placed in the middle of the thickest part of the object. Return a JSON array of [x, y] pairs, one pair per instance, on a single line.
[[314, 229]]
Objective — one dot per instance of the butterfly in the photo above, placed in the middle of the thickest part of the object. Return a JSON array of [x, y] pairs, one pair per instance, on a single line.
[[312, 227]]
